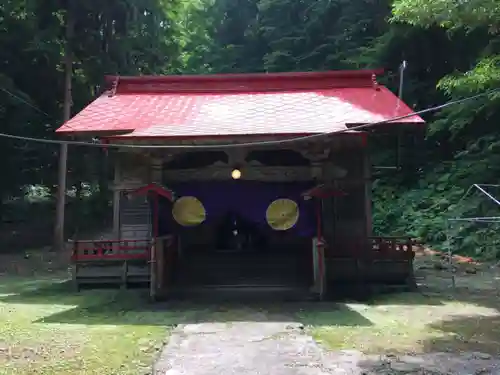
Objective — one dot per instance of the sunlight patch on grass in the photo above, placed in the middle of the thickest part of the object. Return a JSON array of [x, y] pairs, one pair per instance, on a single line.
[[49, 329], [398, 326]]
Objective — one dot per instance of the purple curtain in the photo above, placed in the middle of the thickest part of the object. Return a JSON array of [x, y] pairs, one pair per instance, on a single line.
[[250, 200]]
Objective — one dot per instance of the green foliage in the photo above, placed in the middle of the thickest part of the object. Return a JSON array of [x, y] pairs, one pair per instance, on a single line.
[[279, 35], [465, 137], [111, 37], [485, 75], [452, 48], [450, 14]]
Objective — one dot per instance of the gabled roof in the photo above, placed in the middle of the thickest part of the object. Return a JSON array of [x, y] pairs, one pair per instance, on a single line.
[[155, 188], [238, 104], [322, 191]]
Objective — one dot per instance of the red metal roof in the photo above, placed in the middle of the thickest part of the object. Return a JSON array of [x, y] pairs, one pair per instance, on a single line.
[[239, 104]]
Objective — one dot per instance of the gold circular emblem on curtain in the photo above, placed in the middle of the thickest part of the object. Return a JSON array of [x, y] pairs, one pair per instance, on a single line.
[[282, 214], [189, 211]]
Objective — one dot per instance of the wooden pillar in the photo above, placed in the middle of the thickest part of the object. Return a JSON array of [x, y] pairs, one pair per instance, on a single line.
[[329, 210], [153, 271], [368, 192], [319, 264], [156, 170], [155, 176], [116, 199], [157, 258], [160, 265]]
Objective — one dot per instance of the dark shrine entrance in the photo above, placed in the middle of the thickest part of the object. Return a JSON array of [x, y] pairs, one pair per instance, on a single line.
[[242, 234]]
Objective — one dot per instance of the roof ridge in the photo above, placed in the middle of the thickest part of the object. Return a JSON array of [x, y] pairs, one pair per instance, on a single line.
[[360, 73], [242, 83]]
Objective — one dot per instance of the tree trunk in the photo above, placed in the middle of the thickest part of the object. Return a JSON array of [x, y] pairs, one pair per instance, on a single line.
[[63, 153]]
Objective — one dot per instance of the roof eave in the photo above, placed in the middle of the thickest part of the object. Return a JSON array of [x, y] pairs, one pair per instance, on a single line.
[[65, 131], [229, 138]]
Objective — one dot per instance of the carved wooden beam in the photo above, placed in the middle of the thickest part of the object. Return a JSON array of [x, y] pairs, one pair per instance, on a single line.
[[315, 152], [236, 156], [248, 172], [166, 155]]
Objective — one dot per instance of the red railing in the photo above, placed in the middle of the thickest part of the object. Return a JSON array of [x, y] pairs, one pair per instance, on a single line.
[[392, 246], [111, 250], [391, 243], [377, 247]]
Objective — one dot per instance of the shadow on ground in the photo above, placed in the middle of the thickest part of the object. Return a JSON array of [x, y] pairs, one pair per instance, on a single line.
[[132, 307], [467, 345], [101, 307], [475, 335], [479, 333]]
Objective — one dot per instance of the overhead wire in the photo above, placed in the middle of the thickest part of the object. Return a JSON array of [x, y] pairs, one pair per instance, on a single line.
[[24, 101], [255, 143], [31, 105]]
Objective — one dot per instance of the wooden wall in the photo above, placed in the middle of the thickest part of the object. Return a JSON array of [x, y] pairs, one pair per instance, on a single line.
[[131, 215], [347, 219]]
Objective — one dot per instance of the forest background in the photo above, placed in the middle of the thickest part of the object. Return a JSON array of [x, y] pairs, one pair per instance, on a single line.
[[452, 50]]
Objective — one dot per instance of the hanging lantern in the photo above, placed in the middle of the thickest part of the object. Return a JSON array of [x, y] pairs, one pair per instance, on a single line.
[[236, 174]]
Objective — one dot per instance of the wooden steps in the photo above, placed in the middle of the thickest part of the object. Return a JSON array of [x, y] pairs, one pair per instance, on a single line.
[[243, 270], [243, 293]]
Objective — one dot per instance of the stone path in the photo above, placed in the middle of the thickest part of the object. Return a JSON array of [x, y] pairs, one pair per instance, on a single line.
[[282, 348]]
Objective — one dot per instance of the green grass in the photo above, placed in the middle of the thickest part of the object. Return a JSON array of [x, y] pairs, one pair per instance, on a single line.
[[49, 329], [409, 323], [466, 318], [46, 328]]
